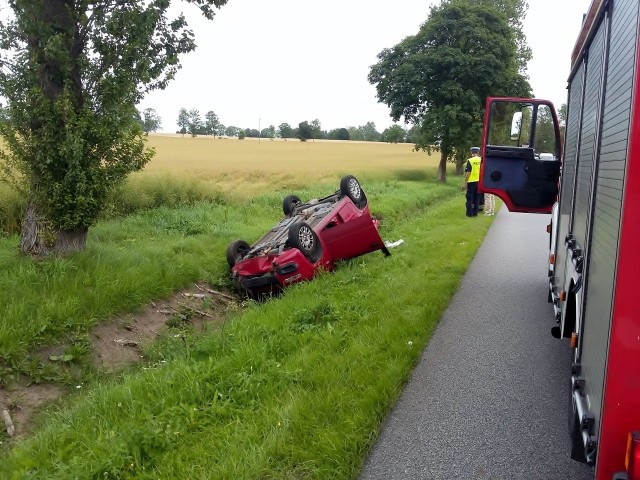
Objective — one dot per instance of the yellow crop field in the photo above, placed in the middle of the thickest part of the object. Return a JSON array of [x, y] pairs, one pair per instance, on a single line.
[[234, 164]]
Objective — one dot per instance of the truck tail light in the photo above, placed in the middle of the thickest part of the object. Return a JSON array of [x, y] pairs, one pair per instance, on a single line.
[[548, 228], [632, 462], [552, 259]]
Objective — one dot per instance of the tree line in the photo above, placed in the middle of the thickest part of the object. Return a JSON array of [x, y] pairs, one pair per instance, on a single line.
[[191, 122]]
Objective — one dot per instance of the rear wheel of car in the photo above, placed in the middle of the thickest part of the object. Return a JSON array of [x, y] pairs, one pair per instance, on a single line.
[[302, 237], [350, 187], [289, 203], [236, 250]]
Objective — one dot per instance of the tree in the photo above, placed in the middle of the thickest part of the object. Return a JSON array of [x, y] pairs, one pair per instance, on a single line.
[[72, 73], [269, 132], [211, 123], [339, 134], [305, 131], [194, 126], [285, 131], [439, 78], [150, 120], [231, 131], [316, 129], [369, 132], [183, 120], [355, 134], [393, 134]]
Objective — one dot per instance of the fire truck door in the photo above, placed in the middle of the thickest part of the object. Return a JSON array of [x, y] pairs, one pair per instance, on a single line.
[[521, 153]]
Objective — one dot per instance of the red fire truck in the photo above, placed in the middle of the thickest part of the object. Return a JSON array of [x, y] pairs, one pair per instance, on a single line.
[[591, 185]]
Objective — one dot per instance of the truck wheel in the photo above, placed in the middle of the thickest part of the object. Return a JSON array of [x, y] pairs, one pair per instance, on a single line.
[[236, 250], [350, 187], [289, 203], [302, 237]]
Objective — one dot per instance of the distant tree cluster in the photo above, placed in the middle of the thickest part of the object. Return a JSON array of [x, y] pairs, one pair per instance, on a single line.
[[190, 122]]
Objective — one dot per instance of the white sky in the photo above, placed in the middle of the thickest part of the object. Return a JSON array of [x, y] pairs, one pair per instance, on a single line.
[[262, 63]]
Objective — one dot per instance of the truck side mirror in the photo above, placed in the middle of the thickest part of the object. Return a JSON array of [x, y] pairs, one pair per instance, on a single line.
[[516, 126]]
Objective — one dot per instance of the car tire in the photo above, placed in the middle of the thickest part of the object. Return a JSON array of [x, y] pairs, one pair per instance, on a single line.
[[236, 250], [350, 187], [302, 237], [289, 203]]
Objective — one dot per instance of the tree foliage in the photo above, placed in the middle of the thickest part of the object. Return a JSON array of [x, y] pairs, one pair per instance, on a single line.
[[269, 132], [339, 134], [211, 123], [394, 134], [150, 120], [194, 125], [305, 131], [72, 75], [183, 120], [285, 131], [440, 77]]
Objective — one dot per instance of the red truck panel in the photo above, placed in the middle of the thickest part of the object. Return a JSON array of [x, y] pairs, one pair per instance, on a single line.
[[621, 409]]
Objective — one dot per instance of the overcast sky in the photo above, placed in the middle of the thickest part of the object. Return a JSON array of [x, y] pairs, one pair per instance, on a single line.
[[261, 63]]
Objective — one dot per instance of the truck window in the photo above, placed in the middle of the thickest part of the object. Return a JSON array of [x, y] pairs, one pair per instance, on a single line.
[[524, 125], [544, 145], [510, 124]]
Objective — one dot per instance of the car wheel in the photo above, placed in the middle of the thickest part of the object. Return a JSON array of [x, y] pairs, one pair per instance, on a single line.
[[289, 204], [302, 237], [350, 187], [236, 250]]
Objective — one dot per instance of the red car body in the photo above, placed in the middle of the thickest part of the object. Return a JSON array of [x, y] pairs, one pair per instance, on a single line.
[[311, 237]]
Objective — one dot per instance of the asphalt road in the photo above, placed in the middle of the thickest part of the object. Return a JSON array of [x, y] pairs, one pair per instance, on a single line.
[[488, 399]]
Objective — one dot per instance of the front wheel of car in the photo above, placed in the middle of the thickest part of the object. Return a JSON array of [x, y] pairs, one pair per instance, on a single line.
[[236, 250], [350, 187], [289, 204], [302, 237]]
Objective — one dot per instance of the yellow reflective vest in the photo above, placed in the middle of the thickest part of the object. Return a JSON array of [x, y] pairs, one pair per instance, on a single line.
[[475, 169]]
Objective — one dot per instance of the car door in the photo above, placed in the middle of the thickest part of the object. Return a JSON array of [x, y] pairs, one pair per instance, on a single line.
[[521, 153]]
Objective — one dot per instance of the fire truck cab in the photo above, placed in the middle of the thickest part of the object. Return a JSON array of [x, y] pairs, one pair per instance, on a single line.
[[591, 185]]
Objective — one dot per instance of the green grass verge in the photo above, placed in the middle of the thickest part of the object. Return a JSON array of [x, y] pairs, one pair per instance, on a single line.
[[292, 388]]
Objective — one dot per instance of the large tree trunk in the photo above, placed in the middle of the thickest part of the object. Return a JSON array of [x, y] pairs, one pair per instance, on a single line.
[[40, 238], [442, 167]]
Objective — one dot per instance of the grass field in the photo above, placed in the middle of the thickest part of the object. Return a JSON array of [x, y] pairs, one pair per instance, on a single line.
[[293, 388], [186, 170]]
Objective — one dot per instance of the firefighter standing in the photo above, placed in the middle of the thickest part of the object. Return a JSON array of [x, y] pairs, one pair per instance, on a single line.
[[471, 178]]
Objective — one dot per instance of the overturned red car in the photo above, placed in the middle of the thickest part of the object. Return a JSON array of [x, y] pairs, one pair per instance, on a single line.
[[313, 235]]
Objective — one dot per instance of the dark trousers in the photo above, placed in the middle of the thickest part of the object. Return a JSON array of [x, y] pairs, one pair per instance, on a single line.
[[472, 199]]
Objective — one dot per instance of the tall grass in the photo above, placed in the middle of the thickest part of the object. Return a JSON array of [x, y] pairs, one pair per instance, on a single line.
[[293, 388], [12, 207]]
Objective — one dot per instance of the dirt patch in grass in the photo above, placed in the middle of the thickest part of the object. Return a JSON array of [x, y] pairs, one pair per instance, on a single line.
[[114, 345]]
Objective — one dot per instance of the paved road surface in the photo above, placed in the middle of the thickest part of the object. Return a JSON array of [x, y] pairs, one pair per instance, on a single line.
[[488, 399]]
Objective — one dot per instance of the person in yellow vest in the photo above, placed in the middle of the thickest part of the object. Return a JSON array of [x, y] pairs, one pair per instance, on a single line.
[[471, 179]]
